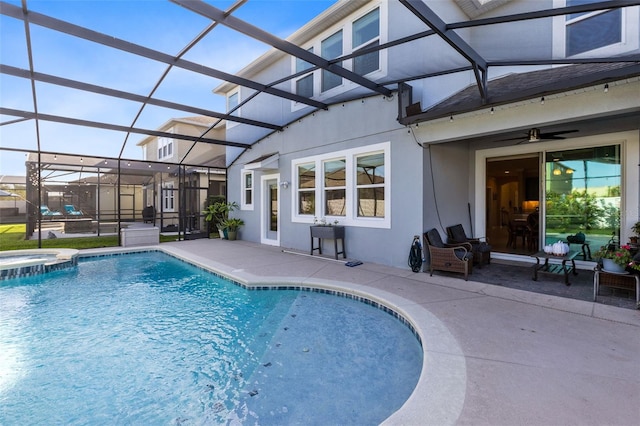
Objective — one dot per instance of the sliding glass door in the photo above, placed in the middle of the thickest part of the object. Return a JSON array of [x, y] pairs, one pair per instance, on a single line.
[[582, 194]]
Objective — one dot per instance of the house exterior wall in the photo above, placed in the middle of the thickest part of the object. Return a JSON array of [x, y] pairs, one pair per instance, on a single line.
[[343, 126], [436, 177]]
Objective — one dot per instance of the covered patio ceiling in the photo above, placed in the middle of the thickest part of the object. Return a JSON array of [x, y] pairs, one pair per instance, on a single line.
[[35, 120]]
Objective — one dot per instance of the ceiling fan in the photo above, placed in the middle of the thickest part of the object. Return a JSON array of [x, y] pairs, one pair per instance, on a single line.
[[534, 135]]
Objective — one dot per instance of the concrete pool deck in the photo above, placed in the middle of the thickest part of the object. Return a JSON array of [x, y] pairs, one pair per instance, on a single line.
[[493, 355]]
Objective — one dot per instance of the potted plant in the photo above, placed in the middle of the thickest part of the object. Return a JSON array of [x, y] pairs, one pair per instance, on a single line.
[[636, 230], [616, 259], [217, 213], [231, 225]]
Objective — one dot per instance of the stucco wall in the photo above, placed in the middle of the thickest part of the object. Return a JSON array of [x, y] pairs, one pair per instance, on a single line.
[[344, 126]]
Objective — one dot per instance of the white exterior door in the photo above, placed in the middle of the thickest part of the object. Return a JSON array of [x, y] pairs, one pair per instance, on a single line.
[[270, 210]]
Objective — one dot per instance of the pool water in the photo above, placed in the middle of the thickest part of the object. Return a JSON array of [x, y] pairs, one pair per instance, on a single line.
[[149, 339]]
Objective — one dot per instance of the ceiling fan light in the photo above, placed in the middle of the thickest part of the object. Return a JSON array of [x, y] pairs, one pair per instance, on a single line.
[[534, 135]]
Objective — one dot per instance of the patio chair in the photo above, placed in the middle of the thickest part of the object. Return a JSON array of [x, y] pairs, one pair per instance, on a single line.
[[481, 249], [46, 212], [149, 215], [70, 210], [448, 257]]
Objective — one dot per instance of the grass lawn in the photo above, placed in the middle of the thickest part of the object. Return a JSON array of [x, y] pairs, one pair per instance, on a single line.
[[12, 237]]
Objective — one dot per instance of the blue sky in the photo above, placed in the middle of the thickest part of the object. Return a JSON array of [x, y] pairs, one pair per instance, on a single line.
[[155, 24]]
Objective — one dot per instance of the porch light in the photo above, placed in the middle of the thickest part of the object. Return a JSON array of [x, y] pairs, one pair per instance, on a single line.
[[606, 87], [542, 101]]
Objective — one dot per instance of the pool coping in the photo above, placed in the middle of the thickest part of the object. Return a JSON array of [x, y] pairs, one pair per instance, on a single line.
[[441, 387]]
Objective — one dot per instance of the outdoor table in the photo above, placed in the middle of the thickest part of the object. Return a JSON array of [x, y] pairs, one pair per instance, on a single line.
[[555, 268]]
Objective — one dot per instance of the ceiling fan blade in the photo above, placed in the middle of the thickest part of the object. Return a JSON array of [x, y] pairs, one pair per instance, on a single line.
[[552, 134], [511, 139]]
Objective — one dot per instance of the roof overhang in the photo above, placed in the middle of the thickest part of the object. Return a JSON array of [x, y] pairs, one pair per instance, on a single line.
[[266, 162]]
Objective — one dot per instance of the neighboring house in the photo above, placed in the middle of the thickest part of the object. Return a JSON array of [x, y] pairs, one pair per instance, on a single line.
[[435, 153], [199, 183]]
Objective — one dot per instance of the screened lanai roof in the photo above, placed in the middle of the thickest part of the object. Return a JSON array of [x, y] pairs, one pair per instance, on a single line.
[[93, 78]]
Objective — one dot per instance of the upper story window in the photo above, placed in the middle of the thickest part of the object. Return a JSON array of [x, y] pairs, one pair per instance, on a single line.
[[590, 31], [349, 186], [331, 48], [165, 147], [304, 85], [233, 100], [601, 32], [364, 31], [247, 191]]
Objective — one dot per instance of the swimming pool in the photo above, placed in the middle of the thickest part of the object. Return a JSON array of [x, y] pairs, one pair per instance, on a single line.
[[171, 343]]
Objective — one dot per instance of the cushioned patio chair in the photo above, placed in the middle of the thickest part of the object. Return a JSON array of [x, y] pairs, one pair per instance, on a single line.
[[70, 210], [481, 249], [149, 215], [448, 257], [46, 212]]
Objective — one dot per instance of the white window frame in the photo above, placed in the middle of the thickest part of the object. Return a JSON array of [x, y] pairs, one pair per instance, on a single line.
[[167, 196], [243, 200], [347, 48], [629, 37], [351, 217], [236, 113]]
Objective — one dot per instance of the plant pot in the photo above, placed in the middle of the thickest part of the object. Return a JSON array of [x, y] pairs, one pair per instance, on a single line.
[[223, 233], [633, 240], [610, 266], [232, 235]]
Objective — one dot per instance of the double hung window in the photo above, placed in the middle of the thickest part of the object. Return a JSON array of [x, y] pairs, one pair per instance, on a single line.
[[349, 186], [247, 190], [304, 85], [363, 32], [168, 197], [331, 48]]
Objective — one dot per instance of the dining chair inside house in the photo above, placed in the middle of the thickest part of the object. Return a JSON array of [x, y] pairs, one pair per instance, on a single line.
[[516, 230]]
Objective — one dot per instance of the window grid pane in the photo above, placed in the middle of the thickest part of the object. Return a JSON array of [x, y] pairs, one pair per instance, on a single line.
[[366, 28], [335, 202], [595, 32], [304, 86], [334, 173], [371, 202]]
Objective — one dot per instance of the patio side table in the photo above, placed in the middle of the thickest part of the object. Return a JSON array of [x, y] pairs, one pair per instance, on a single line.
[[330, 232], [623, 281], [555, 268]]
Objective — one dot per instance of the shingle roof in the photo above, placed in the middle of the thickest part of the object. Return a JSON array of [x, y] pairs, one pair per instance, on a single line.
[[521, 86]]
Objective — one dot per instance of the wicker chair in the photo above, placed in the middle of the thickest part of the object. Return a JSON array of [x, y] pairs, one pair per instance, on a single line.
[[481, 249], [448, 257]]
